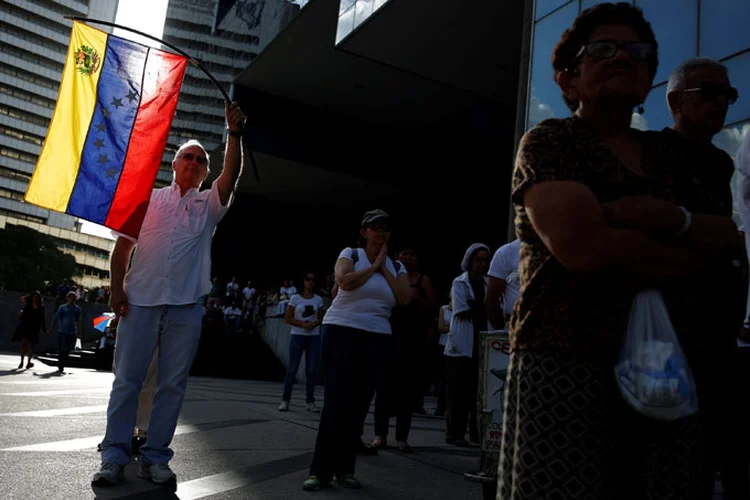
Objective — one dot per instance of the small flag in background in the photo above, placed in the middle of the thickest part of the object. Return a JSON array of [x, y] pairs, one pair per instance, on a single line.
[[107, 135]]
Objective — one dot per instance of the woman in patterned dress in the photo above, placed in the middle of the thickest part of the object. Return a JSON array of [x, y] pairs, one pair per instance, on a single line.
[[567, 432]]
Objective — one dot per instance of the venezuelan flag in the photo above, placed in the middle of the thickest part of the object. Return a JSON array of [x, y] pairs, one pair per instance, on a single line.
[[105, 142]]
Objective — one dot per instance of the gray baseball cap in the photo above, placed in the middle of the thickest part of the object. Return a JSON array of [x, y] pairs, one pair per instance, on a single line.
[[374, 215]]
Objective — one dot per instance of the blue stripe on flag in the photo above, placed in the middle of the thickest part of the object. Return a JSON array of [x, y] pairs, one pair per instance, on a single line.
[[103, 156]]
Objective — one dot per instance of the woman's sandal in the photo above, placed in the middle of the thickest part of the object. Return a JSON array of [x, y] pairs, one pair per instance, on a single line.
[[379, 443], [403, 447]]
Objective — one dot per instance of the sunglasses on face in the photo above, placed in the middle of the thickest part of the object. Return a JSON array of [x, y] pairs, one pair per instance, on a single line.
[[710, 91], [200, 160], [606, 49], [309, 278], [380, 226]]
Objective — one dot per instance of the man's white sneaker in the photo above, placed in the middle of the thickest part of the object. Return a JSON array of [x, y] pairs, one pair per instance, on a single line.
[[284, 406], [312, 408], [109, 474], [157, 473]]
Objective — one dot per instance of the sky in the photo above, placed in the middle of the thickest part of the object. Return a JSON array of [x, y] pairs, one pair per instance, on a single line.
[[146, 16]]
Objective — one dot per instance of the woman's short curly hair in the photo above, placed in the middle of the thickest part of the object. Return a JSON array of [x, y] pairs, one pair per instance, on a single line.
[[572, 39]]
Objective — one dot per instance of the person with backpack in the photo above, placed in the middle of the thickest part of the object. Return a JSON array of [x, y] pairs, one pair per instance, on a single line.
[[356, 334]]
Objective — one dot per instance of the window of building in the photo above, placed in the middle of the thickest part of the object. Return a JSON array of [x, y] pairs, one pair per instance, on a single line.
[[17, 155], [187, 26], [201, 82], [675, 23], [26, 96], [242, 56], [585, 4], [200, 136], [207, 101], [37, 20], [346, 22], [724, 27], [56, 7], [21, 216], [28, 76], [544, 7], [13, 195], [21, 135], [201, 117], [30, 57], [656, 115], [545, 97], [344, 5], [23, 115], [12, 174], [35, 38]]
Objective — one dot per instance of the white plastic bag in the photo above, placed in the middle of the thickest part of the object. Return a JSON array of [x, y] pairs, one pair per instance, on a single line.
[[652, 372]]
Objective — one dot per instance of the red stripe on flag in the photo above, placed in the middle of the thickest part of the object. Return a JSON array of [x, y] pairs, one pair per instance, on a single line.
[[160, 92]]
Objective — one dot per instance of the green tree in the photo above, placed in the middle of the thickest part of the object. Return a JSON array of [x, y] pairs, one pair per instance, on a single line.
[[30, 260]]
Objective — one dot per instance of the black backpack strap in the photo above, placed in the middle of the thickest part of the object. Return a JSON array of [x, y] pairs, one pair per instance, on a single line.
[[355, 255], [418, 284], [397, 265]]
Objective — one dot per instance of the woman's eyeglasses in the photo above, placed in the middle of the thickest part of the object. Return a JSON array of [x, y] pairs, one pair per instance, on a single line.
[[710, 91], [380, 226], [200, 160], [606, 49], [309, 278]]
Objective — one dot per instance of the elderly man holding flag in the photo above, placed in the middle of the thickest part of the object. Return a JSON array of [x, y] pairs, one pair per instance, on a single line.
[[160, 303], [99, 161]]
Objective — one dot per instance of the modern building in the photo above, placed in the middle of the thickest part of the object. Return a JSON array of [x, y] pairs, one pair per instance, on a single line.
[[418, 106], [34, 37], [684, 28], [90, 252], [404, 105], [225, 36]]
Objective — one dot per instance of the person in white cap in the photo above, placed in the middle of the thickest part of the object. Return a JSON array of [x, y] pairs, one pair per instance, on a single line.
[[356, 337]]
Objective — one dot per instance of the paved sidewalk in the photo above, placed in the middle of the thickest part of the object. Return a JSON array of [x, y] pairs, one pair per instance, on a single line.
[[231, 443]]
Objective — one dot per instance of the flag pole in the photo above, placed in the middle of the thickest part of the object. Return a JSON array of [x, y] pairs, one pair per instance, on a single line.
[[190, 59]]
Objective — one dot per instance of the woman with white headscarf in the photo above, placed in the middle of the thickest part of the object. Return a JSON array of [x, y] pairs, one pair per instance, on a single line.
[[462, 346]]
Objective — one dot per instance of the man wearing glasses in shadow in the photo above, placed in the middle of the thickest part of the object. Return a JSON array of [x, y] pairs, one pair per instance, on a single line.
[[699, 94]]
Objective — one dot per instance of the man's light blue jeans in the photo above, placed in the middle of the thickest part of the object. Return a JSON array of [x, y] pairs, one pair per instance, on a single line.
[[176, 331]]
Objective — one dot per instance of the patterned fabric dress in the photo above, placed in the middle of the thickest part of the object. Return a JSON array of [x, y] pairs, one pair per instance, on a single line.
[[567, 434]]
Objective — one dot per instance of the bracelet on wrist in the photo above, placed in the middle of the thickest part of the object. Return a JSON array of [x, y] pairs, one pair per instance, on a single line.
[[235, 134], [686, 224]]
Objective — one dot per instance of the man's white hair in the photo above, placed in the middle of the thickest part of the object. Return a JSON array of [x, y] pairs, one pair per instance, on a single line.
[[190, 143], [678, 78]]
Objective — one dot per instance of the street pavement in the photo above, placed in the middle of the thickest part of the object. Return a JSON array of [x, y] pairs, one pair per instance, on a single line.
[[231, 443]]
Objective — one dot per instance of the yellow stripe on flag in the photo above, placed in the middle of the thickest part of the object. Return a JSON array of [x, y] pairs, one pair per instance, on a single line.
[[57, 168]]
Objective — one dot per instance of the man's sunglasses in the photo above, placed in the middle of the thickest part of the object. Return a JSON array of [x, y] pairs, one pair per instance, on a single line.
[[606, 49], [200, 160], [710, 91]]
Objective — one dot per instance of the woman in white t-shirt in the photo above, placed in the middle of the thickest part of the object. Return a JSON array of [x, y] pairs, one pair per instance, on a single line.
[[356, 334], [305, 314]]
